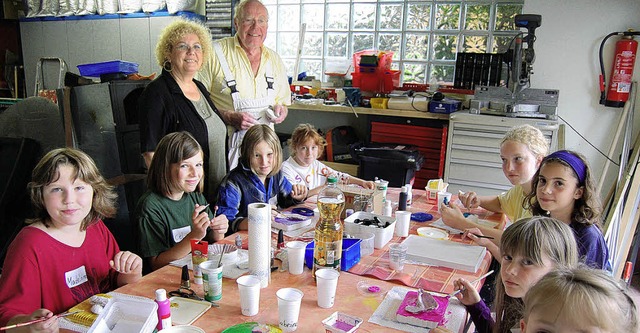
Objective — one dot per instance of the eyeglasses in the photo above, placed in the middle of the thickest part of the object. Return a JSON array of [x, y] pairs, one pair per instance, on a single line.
[[182, 47], [261, 22]]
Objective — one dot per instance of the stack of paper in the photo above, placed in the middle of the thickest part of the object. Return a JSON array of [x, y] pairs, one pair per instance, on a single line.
[[444, 253]]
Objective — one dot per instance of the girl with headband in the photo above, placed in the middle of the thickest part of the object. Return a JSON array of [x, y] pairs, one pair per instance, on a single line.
[[564, 190]]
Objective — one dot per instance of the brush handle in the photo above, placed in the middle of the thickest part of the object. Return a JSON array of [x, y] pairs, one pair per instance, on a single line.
[[35, 321], [472, 282]]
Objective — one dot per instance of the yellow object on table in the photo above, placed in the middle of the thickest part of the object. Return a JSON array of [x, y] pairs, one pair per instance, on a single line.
[[379, 103]]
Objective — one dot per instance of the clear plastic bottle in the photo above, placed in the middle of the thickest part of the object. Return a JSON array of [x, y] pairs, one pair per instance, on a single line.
[[327, 251], [164, 309]]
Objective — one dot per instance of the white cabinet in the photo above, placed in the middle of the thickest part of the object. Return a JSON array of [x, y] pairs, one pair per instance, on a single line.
[[473, 150]]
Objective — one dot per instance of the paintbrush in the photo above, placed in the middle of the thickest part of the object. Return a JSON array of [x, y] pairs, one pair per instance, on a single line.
[[36, 321], [479, 236], [472, 282]]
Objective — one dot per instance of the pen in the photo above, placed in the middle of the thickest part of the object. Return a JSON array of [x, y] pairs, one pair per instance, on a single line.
[[472, 282], [36, 321]]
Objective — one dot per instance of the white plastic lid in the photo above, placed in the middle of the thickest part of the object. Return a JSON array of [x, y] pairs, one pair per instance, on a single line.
[[388, 203], [403, 189], [161, 295]]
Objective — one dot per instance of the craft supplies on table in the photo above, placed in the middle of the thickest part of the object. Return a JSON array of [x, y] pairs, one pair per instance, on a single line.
[[381, 226]]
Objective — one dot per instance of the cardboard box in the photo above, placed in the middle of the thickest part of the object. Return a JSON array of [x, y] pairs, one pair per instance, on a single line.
[[350, 192]]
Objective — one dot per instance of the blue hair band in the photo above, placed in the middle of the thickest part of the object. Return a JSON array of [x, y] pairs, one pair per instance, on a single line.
[[574, 162]]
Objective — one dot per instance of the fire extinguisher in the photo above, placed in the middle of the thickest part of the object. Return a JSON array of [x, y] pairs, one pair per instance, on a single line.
[[619, 87]]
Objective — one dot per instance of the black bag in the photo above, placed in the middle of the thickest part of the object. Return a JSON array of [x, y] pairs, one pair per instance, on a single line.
[[339, 139]]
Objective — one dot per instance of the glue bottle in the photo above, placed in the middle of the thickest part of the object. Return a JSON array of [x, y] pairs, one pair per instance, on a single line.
[[388, 210], [164, 309], [409, 195]]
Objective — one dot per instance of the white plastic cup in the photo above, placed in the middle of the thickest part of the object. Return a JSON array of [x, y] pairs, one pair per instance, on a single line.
[[249, 287], [289, 300], [295, 255], [441, 196], [367, 242], [403, 222], [212, 280], [327, 281], [382, 185], [397, 256]]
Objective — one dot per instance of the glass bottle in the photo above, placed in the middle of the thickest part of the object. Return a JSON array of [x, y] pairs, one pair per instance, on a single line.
[[327, 251]]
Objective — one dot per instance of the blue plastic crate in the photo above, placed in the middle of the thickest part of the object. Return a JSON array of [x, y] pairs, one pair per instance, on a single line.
[[108, 67], [350, 253]]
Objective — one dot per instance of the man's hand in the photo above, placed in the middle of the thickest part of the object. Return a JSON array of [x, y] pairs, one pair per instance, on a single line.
[[239, 120], [281, 112]]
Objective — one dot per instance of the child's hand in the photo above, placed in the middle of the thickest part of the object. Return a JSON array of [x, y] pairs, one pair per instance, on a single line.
[[299, 192], [126, 262], [452, 216], [200, 221], [469, 199], [369, 185], [49, 325], [219, 226], [471, 234], [440, 329], [469, 295]]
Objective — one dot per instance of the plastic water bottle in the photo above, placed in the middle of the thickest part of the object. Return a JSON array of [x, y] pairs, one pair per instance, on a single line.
[[327, 249], [164, 309]]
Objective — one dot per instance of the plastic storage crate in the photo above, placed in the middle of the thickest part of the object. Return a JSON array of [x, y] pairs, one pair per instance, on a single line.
[[396, 163], [123, 314], [350, 254], [382, 235], [108, 67], [381, 81]]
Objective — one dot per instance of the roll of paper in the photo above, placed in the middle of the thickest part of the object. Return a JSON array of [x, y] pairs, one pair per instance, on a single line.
[[260, 242]]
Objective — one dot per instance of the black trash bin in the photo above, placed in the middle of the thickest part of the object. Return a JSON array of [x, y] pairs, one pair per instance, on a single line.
[[396, 163]]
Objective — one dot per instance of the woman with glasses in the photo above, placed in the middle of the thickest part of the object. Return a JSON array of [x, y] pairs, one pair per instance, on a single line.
[[175, 101]]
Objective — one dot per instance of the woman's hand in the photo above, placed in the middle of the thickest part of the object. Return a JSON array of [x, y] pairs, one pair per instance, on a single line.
[[200, 221], [469, 200], [126, 262], [469, 295], [299, 192], [219, 226]]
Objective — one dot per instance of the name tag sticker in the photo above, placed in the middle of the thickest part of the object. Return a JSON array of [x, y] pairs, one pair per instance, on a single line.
[[75, 277], [180, 233]]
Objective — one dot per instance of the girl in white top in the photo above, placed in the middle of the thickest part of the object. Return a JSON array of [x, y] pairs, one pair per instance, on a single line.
[[303, 167]]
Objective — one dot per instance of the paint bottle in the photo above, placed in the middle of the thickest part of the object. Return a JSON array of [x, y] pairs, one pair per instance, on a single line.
[[164, 309], [409, 194], [388, 210], [402, 200]]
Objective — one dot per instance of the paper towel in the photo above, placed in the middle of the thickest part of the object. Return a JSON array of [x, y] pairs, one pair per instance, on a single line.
[[260, 242]]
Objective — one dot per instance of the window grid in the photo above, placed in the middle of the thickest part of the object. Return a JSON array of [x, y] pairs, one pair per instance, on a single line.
[[429, 49]]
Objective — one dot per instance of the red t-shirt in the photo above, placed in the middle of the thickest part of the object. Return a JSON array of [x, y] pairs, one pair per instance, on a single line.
[[41, 272]]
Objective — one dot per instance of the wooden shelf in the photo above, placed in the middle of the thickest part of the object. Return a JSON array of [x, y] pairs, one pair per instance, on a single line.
[[369, 111]]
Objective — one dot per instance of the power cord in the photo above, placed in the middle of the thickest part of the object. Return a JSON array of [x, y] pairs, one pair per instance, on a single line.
[[587, 141]]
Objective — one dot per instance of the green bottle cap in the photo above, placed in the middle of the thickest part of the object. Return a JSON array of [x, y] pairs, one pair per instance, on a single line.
[[332, 179]]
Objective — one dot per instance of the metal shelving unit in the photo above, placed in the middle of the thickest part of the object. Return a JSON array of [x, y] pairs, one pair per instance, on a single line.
[[219, 15]]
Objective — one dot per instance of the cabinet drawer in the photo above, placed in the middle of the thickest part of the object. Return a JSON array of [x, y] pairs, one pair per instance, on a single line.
[[477, 172]]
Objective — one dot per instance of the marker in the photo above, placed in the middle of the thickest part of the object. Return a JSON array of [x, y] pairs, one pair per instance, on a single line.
[[626, 275], [472, 282]]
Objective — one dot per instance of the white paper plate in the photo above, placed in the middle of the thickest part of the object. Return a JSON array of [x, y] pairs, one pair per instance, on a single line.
[[434, 233], [182, 329]]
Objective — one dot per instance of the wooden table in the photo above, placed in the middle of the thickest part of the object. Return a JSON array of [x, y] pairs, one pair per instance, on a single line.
[[348, 299]]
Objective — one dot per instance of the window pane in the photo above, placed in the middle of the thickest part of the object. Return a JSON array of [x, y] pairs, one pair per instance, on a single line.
[[337, 44], [418, 16], [364, 16], [292, 13], [312, 67], [390, 42], [313, 16], [475, 44], [288, 44], [444, 47], [338, 16], [477, 17], [447, 17], [443, 72], [391, 17], [288, 1], [413, 72], [505, 15], [312, 44], [501, 43], [417, 47], [362, 42], [270, 41], [289, 65]]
